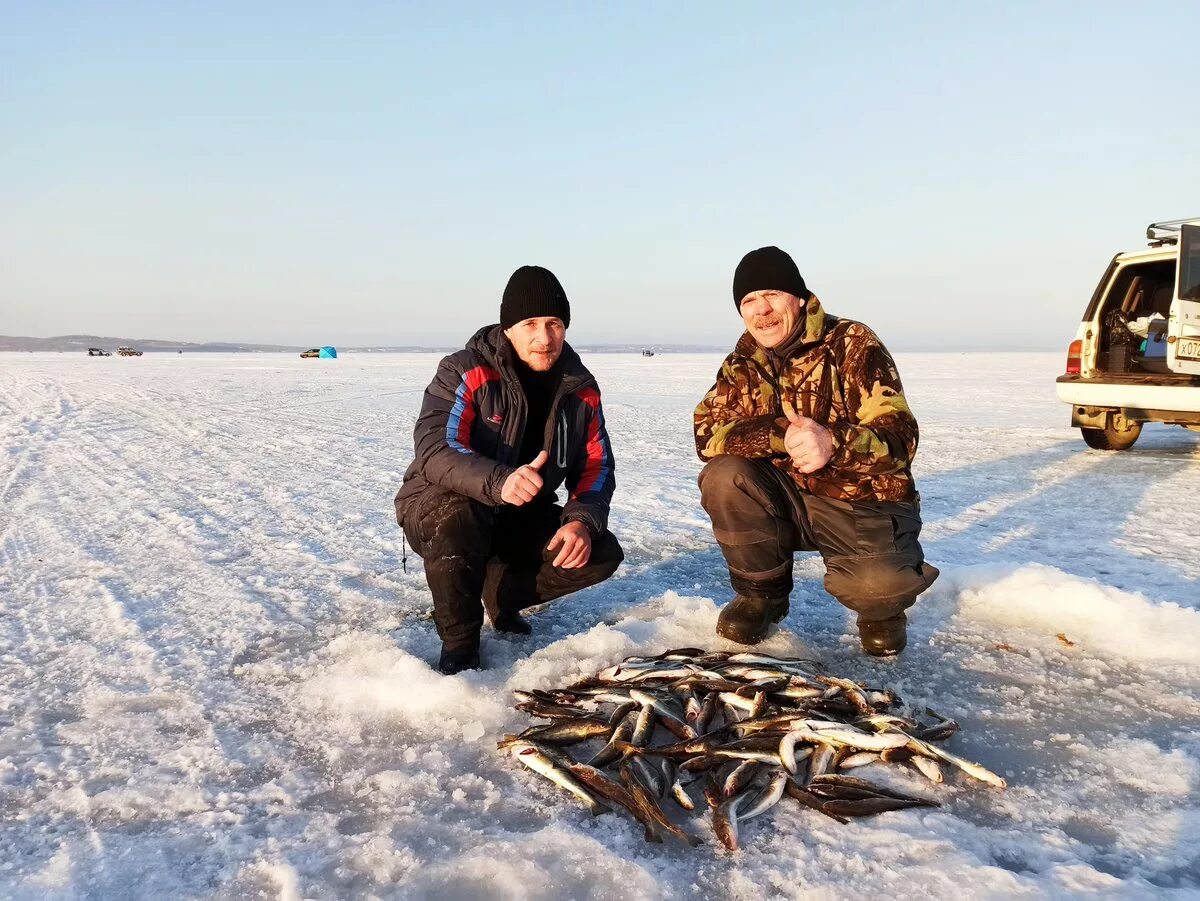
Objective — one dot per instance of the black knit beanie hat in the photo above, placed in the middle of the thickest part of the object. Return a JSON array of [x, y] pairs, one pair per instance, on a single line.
[[533, 291], [767, 269]]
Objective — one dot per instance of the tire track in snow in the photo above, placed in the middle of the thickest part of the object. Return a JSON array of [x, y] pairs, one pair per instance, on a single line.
[[153, 625]]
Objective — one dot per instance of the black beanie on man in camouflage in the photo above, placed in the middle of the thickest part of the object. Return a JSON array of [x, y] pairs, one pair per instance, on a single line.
[[767, 269], [533, 291]]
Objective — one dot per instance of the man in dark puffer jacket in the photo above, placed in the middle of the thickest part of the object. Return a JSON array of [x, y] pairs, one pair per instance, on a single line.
[[504, 423]]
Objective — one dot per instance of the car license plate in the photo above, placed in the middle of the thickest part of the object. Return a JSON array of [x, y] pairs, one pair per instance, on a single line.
[[1187, 349]]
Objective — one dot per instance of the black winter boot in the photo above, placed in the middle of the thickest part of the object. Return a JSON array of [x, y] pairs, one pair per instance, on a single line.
[[455, 660], [512, 622], [747, 619], [884, 637]]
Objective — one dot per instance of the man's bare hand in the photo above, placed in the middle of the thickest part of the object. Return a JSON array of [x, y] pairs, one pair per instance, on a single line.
[[524, 484], [808, 443], [576, 546]]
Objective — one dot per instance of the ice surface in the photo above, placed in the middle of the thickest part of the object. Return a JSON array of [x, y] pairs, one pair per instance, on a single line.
[[214, 675]]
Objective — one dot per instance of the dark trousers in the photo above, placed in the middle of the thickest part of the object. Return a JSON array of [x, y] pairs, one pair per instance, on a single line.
[[477, 557], [873, 561]]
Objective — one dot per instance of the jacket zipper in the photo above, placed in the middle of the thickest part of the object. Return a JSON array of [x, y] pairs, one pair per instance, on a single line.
[[562, 438]]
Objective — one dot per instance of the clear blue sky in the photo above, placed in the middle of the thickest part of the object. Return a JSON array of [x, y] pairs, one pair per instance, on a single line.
[[955, 175]]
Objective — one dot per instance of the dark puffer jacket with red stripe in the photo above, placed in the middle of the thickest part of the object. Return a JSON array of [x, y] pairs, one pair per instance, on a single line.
[[468, 435]]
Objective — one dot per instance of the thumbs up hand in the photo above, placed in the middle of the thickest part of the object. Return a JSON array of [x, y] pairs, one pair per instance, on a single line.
[[524, 484], [808, 443]]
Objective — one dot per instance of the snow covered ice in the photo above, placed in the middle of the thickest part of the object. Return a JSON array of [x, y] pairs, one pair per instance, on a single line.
[[214, 674]]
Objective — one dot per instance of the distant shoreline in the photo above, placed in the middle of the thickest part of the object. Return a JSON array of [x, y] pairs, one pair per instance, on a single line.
[[665, 351], [81, 343]]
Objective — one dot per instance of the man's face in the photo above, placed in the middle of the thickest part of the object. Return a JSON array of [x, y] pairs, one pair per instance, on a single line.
[[538, 341], [771, 316]]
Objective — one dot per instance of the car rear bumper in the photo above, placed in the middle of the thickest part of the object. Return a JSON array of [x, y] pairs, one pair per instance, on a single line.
[[1122, 395]]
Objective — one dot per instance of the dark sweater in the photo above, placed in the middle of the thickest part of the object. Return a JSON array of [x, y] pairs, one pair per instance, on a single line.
[[539, 388]]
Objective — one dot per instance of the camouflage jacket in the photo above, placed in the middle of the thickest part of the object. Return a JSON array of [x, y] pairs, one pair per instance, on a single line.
[[837, 373]]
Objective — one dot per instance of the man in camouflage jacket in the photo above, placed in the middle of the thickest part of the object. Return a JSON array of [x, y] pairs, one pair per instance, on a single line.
[[808, 442]]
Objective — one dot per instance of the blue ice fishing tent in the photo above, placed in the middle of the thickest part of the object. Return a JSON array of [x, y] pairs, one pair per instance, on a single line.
[[328, 353]]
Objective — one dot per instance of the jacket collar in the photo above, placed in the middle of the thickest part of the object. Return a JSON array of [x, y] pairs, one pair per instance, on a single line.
[[492, 344]]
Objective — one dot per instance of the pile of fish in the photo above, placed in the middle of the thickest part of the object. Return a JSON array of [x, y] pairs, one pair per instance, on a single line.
[[747, 727]]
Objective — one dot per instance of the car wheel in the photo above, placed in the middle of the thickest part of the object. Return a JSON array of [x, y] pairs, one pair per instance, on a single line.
[[1118, 433]]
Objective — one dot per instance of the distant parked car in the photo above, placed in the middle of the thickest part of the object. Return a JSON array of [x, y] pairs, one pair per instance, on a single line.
[[98, 352], [327, 352], [128, 352], [311, 353]]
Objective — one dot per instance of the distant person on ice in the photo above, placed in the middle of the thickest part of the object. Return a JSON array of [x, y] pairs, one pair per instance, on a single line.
[[504, 423], [808, 442]]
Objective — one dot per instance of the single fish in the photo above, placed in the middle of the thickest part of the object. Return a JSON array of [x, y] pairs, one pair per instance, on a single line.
[[552, 711], [650, 808], [760, 741], [881, 699], [840, 779], [860, 758], [927, 768], [668, 716], [746, 705], [643, 730], [781, 722], [666, 767], [739, 778], [600, 785], [821, 761], [708, 711], [620, 735], [673, 673], [681, 749], [700, 764], [541, 763], [620, 698], [767, 757], [767, 797], [567, 732], [847, 735], [799, 692], [975, 770], [649, 775], [682, 798], [940, 732], [887, 722], [770, 686], [524, 697], [725, 820], [621, 711], [852, 691], [896, 755], [697, 682], [794, 790], [687, 654], [712, 790], [867, 806]]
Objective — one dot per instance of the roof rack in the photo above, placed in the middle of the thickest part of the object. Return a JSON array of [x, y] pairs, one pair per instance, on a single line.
[[1160, 233]]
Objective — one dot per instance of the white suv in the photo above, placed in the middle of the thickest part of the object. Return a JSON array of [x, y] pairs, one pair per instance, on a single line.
[[1136, 356]]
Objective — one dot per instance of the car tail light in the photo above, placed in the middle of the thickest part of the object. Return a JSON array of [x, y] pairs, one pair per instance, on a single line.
[[1074, 355]]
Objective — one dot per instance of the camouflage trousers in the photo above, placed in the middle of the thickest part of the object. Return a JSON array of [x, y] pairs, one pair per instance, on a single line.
[[873, 561], [480, 557]]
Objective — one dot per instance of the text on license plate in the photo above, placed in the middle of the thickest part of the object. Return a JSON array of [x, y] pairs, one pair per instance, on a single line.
[[1188, 349]]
